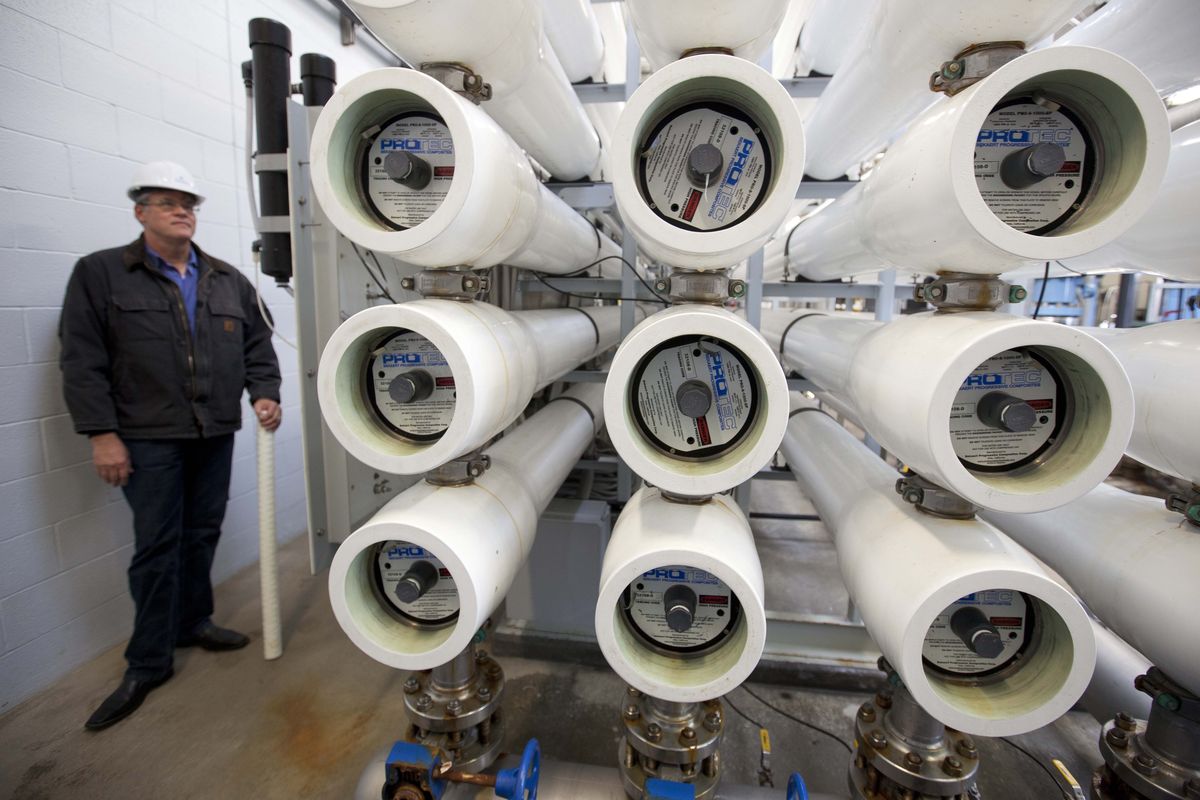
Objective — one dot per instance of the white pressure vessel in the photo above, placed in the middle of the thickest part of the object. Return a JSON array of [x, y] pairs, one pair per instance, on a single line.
[[574, 34], [413, 585], [985, 640], [667, 29]]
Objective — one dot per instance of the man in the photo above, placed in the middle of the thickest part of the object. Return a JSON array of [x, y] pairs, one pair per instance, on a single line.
[[158, 341]]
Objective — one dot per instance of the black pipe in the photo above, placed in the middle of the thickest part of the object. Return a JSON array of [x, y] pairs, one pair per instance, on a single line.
[[318, 77], [271, 53], [1127, 300]]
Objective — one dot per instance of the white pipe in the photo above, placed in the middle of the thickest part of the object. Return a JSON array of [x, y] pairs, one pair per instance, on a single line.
[[1158, 37], [1165, 240], [785, 47], [924, 207], [746, 388], [884, 82], [489, 209], [915, 385], [904, 570], [574, 33], [666, 29], [1111, 690], [503, 41], [1133, 562], [742, 111], [831, 29], [481, 533], [486, 364], [654, 534], [268, 565], [1163, 361]]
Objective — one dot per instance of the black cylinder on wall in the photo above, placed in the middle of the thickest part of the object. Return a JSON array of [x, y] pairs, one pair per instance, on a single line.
[[271, 52], [318, 78]]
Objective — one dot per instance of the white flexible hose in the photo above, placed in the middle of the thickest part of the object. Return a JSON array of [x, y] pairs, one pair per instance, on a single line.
[[268, 566]]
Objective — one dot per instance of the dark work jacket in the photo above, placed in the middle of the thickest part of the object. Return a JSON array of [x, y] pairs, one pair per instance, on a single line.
[[131, 363]]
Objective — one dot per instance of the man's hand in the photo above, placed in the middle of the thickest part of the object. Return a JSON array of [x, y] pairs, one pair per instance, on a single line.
[[268, 412], [111, 459]]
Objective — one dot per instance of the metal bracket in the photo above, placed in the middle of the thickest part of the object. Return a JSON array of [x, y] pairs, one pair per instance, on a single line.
[[461, 471], [933, 499], [972, 65], [959, 291], [280, 223], [1186, 503], [460, 78], [448, 284], [270, 162], [690, 286]]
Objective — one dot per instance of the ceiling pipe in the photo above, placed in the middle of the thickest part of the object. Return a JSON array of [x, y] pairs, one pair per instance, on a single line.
[[915, 577], [1008, 413], [1133, 562], [947, 194], [403, 165], [696, 400], [691, 648], [472, 539], [502, 42], [406, 388], [669, 29], [884, 78]]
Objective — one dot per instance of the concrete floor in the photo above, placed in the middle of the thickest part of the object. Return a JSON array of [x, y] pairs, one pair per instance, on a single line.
[[231, 725]]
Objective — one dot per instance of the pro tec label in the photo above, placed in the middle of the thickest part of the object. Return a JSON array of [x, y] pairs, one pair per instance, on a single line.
[[714, 606], [421, 135], [1021, 375], [733, 193], [439, 604], [1006, 609], [420, 420]]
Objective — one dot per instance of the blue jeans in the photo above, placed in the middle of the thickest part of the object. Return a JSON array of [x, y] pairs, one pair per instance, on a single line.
[[178, 491]]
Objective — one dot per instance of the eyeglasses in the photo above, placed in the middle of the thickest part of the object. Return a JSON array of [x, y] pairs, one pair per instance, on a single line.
[[190, 206]]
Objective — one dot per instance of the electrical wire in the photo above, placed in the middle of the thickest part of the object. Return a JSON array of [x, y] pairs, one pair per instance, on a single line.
[[541, 276], [743, 714], [367, 267], [796, 719], [1042, 293], [263, 309], [1042, 766]]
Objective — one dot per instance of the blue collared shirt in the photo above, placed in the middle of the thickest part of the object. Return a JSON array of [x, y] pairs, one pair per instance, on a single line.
[[187, 282]]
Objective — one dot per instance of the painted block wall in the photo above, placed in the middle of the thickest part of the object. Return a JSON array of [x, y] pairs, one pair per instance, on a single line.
[[89, 89]]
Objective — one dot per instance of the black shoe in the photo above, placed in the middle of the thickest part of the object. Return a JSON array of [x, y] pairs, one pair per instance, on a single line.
[[123, 702], [210, 637]]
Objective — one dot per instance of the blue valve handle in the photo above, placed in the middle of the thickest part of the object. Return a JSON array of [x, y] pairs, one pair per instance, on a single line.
[[513, 784], [796, 789]]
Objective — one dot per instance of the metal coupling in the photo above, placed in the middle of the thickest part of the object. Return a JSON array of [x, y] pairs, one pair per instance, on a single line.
[[933, 499], [460, 471], [959, 291], [448, 284], [691, 286], [972, 64], [459, 78]]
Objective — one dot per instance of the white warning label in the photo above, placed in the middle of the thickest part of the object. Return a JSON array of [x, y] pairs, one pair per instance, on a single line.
[[736, 186], [424, 137], [1011, 377], [1005, 610], [414, 360], [713, 605], [721, 377], [440, 600], [1016, 127]]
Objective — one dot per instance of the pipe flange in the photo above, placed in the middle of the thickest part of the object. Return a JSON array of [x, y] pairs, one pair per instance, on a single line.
[[900, 751], [1133, 769], [670, 741], [441, 710], [712, 287], [460, 79], [933, 499], [956, 291], [448, 284], [972, 65], [460, 471]]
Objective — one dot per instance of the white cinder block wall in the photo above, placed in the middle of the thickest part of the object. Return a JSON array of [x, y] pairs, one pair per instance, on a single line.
[[88, 89]]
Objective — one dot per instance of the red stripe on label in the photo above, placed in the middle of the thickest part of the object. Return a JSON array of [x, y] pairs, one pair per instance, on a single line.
[[693, 202], [445, 573], [702, 429], [714, 600], [1044, 404], [443, 172], [1069, 166], [444, 381], [1006, 622]]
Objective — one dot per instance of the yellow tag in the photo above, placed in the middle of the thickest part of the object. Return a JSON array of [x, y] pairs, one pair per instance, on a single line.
[[1066, 773], [765, 739]]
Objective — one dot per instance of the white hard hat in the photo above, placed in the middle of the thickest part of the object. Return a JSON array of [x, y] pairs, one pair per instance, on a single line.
[[162, 175]]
